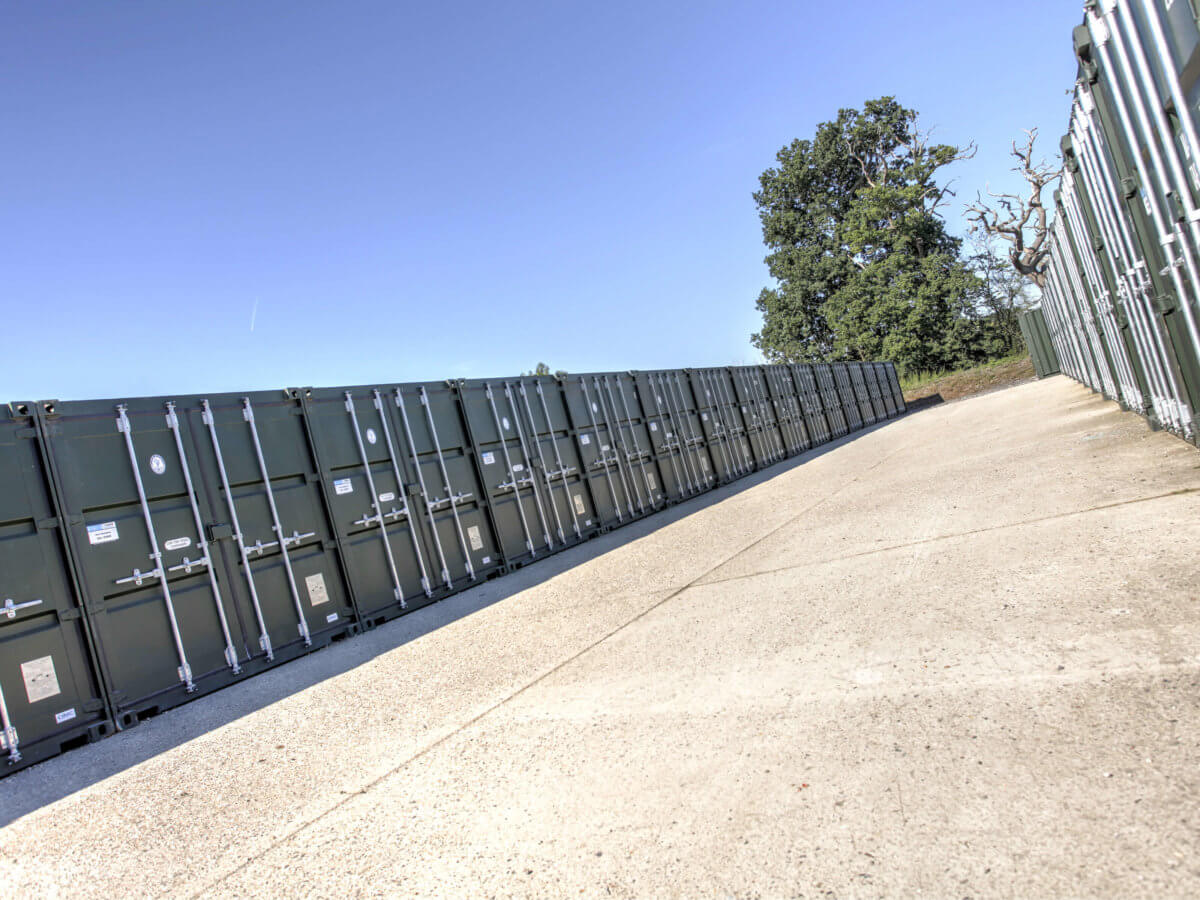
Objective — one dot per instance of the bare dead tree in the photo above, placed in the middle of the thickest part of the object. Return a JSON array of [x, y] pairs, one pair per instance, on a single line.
[[1021, 221]]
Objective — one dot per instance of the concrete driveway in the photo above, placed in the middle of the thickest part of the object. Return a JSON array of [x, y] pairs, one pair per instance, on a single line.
[[955, 656]]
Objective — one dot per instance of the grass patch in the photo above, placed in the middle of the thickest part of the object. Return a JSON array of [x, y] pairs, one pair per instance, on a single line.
[[964, 382]]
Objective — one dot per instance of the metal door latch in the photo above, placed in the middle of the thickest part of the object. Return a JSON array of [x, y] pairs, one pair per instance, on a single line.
[[188, 564], [139, 576], [10, 609]]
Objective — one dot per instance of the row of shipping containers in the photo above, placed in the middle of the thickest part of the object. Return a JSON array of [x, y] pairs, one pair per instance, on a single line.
[[1122, 284], [155, 549]]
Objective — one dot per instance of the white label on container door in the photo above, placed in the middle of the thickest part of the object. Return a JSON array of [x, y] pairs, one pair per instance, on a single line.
[[102, 533], [579, 505], [587, 522], [343, 486], [585, 439], [65, 716], [371, 436], [158, 465], [654, 426], [488, 458], [595, 408], [387, 497], [604, 448], [650, 480], [317, 594], [177, 543], [519, 467], [41, 681], [486, 560], [332, 617], [704, 462], [507, 424], [474, 538], [704, 416]]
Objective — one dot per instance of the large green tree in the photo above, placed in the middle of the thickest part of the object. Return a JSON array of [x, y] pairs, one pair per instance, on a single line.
[[864, 266]]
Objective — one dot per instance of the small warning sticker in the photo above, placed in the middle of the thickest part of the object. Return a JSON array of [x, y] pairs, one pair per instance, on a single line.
[[317, 594], [650, 480], [102, 533], [332, 617], [177, 543], [65, 716], [488, 458], [487, 560], [343, 486], [41, 681], [579, 509], [654, 426], [387, 497], [474, 537], [519, 467], [585, 439]]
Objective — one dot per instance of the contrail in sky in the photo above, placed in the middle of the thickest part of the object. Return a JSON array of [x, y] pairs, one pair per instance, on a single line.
[[253, 313]]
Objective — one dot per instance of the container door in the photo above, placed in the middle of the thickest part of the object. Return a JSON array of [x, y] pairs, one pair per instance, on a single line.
[[437, 451], [596, 441], [865, 408], [634, 427], [203, 547], [763, 449], [51, 694], [842, 392], [716, 430], [556, 459], [367, 487], [810, 403], [699, 453], [520, 506], [672, 460], [786, 403]]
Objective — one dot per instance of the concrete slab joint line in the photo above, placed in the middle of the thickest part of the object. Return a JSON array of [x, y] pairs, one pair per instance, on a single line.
[[539, 679], [947, 537]]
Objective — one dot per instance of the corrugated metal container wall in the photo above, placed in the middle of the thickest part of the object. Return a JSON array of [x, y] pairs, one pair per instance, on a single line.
[[158, 548], [1121, 294]]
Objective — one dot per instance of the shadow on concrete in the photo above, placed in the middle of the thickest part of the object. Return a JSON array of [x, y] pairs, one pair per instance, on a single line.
[[924, 402], [39, 785]]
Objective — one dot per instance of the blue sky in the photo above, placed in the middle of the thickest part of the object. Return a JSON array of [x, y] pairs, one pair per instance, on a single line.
[[211, 196]]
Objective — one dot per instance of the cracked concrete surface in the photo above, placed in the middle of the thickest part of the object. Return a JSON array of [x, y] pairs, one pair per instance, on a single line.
[[955, 656]]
